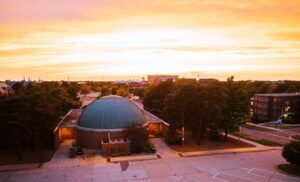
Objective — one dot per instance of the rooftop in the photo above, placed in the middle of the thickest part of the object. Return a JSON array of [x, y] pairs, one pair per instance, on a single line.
[[71, 117], [110, 112]]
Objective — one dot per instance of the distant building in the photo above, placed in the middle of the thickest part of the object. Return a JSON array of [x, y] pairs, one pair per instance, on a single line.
[[3, 88], [206, 80], [156, 79], [272, 106]]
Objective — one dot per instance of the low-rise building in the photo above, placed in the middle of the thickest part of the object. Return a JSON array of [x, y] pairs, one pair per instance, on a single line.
[[3, 88], [274, 106], [103, 124], [156, 79]]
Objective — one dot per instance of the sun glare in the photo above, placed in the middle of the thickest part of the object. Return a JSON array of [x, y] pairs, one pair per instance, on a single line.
[[129, 40]]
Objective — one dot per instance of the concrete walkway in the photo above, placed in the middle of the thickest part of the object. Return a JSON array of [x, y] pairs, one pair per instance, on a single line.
[[255, 167], [61, 158], [163, 150]]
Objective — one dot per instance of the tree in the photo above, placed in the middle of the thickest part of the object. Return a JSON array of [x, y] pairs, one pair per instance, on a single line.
[[123, 92], [85, 89], [138, 137], [291, 152], [139, 92], [114, 90], [31, 115], [155, 96], [236, 106], [183, 108], [18, 86], [214, 107], [104, 91]]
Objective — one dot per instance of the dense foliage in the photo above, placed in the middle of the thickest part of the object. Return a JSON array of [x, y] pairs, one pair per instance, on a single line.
[[154, 99], [291, 152], [138, 137], [111, 88], [29, 116], [206, 108]]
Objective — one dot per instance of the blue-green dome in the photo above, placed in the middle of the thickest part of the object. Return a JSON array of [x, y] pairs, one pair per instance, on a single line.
[[111, 112]]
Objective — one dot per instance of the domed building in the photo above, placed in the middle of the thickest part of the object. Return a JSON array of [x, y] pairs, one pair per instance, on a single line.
[[104, 118], [103, 124]]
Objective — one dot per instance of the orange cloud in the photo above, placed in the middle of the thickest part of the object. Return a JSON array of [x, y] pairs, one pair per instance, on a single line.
[[91, 38], [291, 36]]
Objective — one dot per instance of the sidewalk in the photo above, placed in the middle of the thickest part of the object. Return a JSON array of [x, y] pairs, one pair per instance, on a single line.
[[282, 136], [286, 131]]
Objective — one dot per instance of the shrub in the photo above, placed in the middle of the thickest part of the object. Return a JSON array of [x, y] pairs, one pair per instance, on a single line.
[[138, 137], [291, 152]]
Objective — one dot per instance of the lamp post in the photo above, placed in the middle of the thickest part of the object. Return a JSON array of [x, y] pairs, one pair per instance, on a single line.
[[182, 139], [182, 128], [183, 118], [108, 146], [240, 129]]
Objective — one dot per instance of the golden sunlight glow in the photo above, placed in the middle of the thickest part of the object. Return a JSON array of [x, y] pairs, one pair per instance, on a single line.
[[107, 40]]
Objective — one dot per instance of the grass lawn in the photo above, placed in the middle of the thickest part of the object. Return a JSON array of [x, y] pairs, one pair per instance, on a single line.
[[296, 137], [288, 127], [256, 128], [209, 144], [8, 157], [257, 140], [290, 169]]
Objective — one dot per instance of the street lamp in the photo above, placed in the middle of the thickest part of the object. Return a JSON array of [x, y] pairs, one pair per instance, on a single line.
[[182, 128], [240, 129], [108, 146], [183, 118], [182, 139]]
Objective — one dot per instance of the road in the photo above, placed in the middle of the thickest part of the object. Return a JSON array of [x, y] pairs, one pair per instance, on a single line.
[[281, 136]]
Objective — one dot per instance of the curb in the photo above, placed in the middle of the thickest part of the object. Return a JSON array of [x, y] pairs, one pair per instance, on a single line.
[[20, 167], [219, 152], [134, 158]]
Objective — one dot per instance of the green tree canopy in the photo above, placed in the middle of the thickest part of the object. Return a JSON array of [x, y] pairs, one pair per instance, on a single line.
[[154, 99]]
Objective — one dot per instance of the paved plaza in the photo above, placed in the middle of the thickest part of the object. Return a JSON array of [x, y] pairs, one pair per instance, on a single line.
[[256, 167]]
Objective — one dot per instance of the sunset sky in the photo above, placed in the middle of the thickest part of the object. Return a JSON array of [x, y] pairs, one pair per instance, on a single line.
[[128, 39]]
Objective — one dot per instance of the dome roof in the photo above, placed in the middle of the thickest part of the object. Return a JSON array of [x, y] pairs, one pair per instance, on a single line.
[[110, 112]]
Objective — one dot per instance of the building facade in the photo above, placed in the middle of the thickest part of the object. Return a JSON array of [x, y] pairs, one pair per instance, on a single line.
[[3, 88], [156, 79], [274, 106], [103, 124]]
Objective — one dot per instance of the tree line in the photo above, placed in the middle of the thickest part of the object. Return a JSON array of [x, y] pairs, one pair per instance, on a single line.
[[29, 116], [206, 109]]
